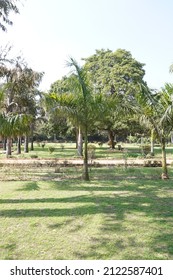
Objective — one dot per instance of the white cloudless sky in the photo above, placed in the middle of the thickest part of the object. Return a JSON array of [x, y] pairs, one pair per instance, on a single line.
[[47, 32]]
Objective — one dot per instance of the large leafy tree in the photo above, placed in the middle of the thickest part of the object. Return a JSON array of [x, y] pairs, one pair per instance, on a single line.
[[6, 7], [116, 75]]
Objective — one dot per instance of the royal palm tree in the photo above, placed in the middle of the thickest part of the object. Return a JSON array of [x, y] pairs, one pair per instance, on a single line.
[[156, 108], [79, 104], [18, 88]]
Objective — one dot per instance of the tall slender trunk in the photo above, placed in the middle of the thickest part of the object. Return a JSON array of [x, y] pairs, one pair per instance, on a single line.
[[19, 141], [54, 138], [152, 142], [76, 136], [80, 143], [4, 144], [164, 163], [32, 144], [9, 144], [171, 137], [111, 139], [86, 173], [32, 137], [26, 144]]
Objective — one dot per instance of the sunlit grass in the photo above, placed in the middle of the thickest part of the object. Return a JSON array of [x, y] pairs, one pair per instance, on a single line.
[[68, 151], [119, 214]]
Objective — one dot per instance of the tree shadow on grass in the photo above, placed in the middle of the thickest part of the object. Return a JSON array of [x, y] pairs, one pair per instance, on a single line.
[[117, 205], [114, 203], [165, 244], [31, 186]]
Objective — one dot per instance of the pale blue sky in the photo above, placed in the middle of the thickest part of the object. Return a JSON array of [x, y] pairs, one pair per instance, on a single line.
[[48, 31]]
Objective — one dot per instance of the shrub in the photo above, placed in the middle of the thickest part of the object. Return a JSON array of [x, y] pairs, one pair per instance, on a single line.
[[43, 145], [51, 149], [120, 147]]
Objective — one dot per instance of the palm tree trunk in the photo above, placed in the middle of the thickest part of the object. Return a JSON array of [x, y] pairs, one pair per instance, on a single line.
[[9, 144], [80, 143], [76, 137], [4, 144], [26, 144], [32, 137], [171, 137], [152, 142], [19, 145], [164, 163], [86, 173], [32, 144]]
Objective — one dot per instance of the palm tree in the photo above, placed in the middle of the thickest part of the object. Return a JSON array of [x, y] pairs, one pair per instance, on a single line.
[[157, 110], [12, 126], [171, 68], [19, 90], [7, 124], [7, 6], [80, 105]]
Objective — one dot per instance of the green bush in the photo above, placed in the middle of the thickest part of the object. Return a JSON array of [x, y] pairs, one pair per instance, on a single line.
[[51, 149], [43, 144]]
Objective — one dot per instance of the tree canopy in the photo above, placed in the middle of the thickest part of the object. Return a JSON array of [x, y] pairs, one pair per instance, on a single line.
[[6, 7]]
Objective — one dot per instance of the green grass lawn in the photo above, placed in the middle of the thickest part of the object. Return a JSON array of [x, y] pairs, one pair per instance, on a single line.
[[68, 151], [119, 214]]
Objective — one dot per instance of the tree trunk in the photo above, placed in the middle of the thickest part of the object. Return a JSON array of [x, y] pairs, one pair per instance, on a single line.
[[54, 138], [26, 144], [152, 142], [9, 144], [86, 173], [32, 137], [32, 144], [76, 136], [19, 145], [111, 139], [164, 163], [80, 143], [171, 137], [4, 144]]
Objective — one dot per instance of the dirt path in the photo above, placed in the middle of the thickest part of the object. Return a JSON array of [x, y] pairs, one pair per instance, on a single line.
[[105, 162]]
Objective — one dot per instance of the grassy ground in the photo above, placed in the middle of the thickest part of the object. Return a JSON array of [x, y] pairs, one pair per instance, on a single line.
[[68, 151], [119, 214]]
